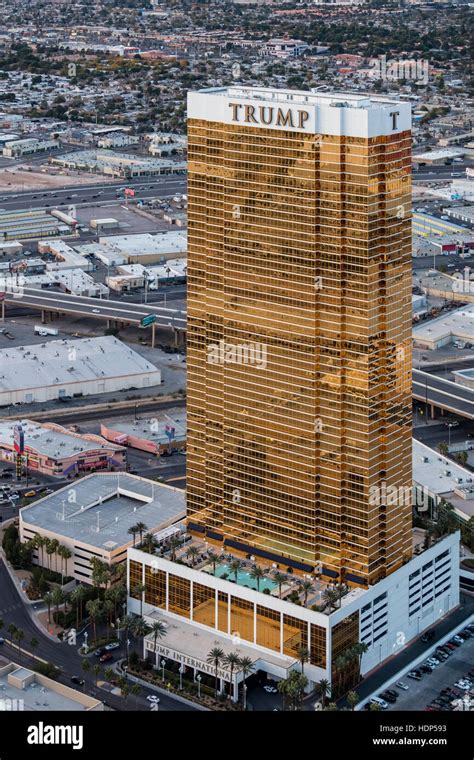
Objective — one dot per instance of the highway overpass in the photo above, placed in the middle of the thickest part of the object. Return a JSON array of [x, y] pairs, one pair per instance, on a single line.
[[443, 394], [113, 312]]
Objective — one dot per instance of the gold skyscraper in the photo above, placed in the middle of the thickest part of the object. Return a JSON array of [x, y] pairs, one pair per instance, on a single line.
[[299, 327]]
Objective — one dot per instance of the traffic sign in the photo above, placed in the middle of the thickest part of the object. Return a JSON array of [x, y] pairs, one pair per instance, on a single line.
[[148, 320]]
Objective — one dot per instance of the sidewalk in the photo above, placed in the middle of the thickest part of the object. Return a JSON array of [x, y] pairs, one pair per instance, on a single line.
[[165, 692]]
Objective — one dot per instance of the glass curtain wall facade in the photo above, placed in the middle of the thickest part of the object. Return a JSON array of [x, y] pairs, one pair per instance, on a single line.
[[299, 249]]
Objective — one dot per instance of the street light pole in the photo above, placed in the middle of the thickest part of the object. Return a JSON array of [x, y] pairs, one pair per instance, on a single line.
[[181, 671], [163, 663], [198, 679]]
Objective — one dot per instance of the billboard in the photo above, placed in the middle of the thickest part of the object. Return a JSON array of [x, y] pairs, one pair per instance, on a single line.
[[18, 439]]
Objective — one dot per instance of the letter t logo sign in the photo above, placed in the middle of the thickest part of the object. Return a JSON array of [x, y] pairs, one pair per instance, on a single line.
[[395, 115]]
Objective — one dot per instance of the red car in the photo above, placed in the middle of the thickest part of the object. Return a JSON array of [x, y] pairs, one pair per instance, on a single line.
[[106, 657]]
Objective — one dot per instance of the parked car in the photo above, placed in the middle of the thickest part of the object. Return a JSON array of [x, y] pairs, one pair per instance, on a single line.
[[29, 494], [380, 702], [458, 640], [402, 685], [415, 676], [427, 636], [2, 641], [77, 680], [113, 645]]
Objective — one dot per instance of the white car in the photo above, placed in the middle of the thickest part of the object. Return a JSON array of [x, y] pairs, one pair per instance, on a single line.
[[271, 689], [153, 698], [464, 685], [96, 311], [402, 685]]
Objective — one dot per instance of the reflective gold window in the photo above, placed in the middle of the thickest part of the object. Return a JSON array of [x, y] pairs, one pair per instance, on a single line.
[[223, 611], [136, 575], [204, 605], [241, 618], [268, 628], [179, 594], [318, 646], [295, 635], [155, 587]]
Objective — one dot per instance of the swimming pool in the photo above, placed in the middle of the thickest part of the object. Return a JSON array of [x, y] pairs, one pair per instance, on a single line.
[[244, 579]]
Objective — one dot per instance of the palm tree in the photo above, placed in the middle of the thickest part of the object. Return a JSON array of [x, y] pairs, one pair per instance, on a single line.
[[96, 670], [66, 555], [215, 560], [358, 650], [352, 699], [149, 542], [323, 690], [234, 567], [77, 595], [159, 632], [19, 635], [192, 553], [140, 629], [174, 543], [50, 550], [340, 590], [133, 530], [48, 600], [215, 658], [257, 574], [279, 578], [109, 673], [246, 666], [305, 587], [141, 528], [55, 546], [303, 656], [86, 666], [135, 691], [12, 630], [330, 598], [34, 644], [232, 661], [138, 591], [57, 599], [94, 610]]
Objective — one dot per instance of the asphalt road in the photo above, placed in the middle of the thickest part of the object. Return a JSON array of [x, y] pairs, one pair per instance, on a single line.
[[97, 193], [13, 610]]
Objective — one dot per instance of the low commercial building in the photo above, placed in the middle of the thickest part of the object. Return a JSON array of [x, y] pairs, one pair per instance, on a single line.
[[51, 449], [94, 517], [24, 690], [131, 276], [202, 604], [440, 156], [140, 248], [464, 377], [462, 213], [28, 146], [65, 257], [156, 435], [457, 325], [65, 368], [119, 164], [437, 478]]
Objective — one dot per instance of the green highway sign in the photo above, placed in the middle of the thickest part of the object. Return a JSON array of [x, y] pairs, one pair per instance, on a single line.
[[148, 320]]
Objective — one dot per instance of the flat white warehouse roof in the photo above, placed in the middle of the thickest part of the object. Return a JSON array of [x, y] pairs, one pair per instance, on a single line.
[[65, 362], [457, 324], [430, 468], [105, 506]]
